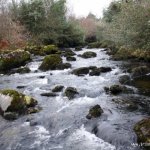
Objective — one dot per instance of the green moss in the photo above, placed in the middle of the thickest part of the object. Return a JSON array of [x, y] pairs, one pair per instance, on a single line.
[[51, 49], [50, 62], [14, 59]]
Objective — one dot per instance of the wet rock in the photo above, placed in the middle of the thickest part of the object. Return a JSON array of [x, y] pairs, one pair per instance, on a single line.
[[64, 66], [125, 79], [50, 62], [116, 89], [105, 69], [78, 49], [49, 94], [95, 72], [142, 130], [33, 123], [81, 71], [70, 58], [58, 88], [92, 67], [33, 110], [41, 77], [14, 102], [51, 49], [10, 115], [21, 87], [71, 92], [21, 70], [94, 112], [128, 104], [13, 60], [139, 71], [89, 54]]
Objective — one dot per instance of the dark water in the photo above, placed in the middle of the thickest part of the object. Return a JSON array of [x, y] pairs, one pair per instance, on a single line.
[[62, 125]]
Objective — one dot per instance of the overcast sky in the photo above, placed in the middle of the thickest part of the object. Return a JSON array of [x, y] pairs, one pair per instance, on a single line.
[[83, 7]]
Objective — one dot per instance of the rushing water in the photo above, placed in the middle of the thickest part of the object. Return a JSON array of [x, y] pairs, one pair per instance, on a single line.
[[62, 124]]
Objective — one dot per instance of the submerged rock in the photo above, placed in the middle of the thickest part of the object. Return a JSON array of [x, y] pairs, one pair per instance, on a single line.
[[125, 79], [81, 71], [13, 103], [70, 92], [139, 71], [49, 94], [58, 88], [94, 112], [89, 54], [50, 62], [142, 130], [70, 58], [13, 60]]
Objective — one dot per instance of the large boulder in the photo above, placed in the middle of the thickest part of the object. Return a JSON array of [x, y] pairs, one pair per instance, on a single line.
[[139, 71], [142, 129], [81, 71], [50, 62], [88, 54], [13, 103], [71, 92], [94, 112], [13, 60]]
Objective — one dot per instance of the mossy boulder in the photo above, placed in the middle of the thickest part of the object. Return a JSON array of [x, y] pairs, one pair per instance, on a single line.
[[71, 92], [50, 62], [95, 112], [12, 102], [140, 71], [142, 130], [68, 53], [88, 54], [13, 60], [81, 71], [51, 49], [58, 88], [70, 58], [94, 45], [21, 70]]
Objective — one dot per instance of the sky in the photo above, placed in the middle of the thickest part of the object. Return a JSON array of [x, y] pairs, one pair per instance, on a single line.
[[81, 8]]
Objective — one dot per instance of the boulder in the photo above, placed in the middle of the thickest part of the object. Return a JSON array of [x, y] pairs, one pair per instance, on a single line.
[[51, 62], [58, 88], [95, 72], [51, 49], [63, 66], [13, 103], [13, 60], [81, 71], [78, 49], [69, 58], [21, 70], [68, 53], [125, 79], [105, 69], [70, 92], [142, 130], [89, 54], [140, 71], [94, 112]]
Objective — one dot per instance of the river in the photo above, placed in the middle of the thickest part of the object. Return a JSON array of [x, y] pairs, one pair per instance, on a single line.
[[62, 124]]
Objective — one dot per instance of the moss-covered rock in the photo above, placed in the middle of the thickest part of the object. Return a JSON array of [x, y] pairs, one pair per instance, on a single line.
[[63, 66], [14, 59], [58, 88], [88, 54], [94, 112], [139, 71], [51, 49], [21, 70], [50, 62], [68, 53], [142, 129], [70, 92], [81, 71], [12, 101]]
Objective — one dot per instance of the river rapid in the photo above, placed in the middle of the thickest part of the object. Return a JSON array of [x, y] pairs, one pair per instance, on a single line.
[[62, 124]]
